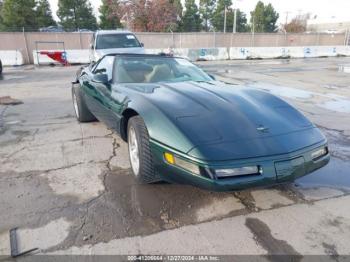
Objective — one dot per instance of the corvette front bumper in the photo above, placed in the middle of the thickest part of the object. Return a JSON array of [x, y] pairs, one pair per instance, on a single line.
[[276, 169]]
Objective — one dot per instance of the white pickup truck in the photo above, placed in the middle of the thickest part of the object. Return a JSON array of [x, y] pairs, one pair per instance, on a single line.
[[105, 42]]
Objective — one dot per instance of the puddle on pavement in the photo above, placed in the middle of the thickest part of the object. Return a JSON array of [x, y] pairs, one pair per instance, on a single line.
[[127, 208], [335, 175], [11, 76], [272, 62]]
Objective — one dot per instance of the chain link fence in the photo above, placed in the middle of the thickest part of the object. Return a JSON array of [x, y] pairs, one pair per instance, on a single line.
[[25, 41]]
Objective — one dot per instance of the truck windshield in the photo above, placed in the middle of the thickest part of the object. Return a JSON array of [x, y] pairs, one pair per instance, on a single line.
[[109, 41], [157, 69]]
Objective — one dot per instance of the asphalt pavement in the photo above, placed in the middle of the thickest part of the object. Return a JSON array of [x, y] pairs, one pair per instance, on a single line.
[[68, 187]]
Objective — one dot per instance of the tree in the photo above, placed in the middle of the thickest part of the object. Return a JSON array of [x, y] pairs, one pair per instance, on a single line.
[[219, 15], [191, 21], [241, 21], [298, 24], [151, 15], [137, 14], [110, 14], [18, 14], [218, 18], [264, 18], [76, 14], [43, 14], [1, 21], [162, 16], [206, 8], [178, 9]]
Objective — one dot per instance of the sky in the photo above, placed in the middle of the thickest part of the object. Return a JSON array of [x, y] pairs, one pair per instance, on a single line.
[[326, 10]]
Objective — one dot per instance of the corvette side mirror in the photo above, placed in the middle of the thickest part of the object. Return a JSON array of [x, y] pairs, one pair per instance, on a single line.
[[142, 44], [100, 78]]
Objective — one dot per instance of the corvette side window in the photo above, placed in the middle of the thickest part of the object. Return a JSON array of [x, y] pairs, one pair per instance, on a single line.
[[105, 66]]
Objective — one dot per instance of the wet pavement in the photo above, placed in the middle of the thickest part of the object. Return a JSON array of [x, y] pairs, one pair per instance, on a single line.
[[72, 182]]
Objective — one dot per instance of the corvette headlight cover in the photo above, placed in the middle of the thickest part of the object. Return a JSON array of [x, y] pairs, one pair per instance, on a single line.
[[239, 171], [319, 153]]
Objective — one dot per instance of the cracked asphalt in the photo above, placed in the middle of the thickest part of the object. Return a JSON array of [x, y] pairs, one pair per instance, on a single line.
[[68, 187]]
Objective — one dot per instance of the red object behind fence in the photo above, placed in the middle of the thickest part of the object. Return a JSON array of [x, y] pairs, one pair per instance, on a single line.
[[59, 56]]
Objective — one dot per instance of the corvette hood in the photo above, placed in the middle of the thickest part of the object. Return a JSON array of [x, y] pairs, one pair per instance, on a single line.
[[229, 121]]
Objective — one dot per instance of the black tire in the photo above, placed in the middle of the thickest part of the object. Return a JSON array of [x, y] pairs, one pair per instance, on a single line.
[[146, 174], [83, 114], [0, 67]]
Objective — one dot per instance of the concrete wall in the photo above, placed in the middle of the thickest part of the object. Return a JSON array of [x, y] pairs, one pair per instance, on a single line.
[[288, 52], [26, 42], [222, 53], [11, 57]]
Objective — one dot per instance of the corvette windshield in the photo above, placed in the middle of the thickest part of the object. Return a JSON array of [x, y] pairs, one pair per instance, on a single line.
[[157, 69]]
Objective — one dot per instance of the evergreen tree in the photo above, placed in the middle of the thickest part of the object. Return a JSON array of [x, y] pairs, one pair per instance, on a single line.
[[109, 18], [206, 8], [76, 14], [264, 18], [241, 22], [1, 21], [43, 14], [191, 21], [219, 15], [18, 14]]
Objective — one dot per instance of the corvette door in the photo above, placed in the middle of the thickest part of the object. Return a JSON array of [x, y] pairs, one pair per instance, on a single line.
[[99, 92]]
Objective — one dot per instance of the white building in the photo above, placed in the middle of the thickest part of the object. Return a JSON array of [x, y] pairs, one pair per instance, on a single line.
[[332, 25]]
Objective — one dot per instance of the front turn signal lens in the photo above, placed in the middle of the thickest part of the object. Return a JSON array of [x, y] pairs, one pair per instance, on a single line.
[[179, 162], [169, 158]]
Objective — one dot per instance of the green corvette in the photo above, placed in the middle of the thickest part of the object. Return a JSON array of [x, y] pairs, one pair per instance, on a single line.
[[183, 126]]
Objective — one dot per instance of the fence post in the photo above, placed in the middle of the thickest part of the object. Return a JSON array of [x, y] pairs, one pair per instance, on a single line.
[[285, 38], [80, 42], [252, 39], [346, 37], [26, 45], [214, 39]]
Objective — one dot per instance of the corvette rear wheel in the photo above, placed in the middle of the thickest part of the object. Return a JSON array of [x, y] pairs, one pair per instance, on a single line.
[[82, 113], [139, 151]]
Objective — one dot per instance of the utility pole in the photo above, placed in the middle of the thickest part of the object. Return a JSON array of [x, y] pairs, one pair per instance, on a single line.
[[225, 20], [234, 28], [287, 13]]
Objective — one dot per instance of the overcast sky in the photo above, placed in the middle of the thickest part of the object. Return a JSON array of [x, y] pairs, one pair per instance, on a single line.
[[326, 10]]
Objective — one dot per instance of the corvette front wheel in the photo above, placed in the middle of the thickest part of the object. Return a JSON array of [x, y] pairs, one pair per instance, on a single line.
[[139, 151], [81, 110]]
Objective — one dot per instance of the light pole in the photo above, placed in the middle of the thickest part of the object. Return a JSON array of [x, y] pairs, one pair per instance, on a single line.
[[235, 7], [234, 28], [225, 20]]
